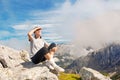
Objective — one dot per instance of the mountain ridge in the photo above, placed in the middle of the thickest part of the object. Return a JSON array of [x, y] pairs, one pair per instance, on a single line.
[[106, 59]]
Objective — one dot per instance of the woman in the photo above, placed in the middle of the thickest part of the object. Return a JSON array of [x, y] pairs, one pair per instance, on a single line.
[[41, 50]]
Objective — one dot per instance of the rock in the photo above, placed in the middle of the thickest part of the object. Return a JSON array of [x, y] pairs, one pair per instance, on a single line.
[[10, 56], [24, 55], [16, 65], [6, 74], [56, 59], [1, 66], [3, 63], [37, 73], [90, 74]]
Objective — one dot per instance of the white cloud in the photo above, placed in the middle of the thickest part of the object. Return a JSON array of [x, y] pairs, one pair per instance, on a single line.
[[16, 43], [4, 33], [98, 31], [113, 4], [67, 16], [21, 27]]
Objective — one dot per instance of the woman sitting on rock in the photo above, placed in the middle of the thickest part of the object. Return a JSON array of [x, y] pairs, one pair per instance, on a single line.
[[41, 50]]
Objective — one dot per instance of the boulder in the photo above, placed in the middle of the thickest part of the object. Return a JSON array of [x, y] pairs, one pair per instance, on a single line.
[[10, 57], [24, 55], [16, 65], [90, 74], [6, 74], [37, 73]]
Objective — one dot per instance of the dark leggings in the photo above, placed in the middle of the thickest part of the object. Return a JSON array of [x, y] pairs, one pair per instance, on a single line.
[[40, 55]]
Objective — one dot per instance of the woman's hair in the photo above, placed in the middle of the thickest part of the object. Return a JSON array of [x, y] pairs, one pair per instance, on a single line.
[[35, 36], [34, 32]]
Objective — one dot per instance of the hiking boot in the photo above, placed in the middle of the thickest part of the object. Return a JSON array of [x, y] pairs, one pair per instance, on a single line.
[[49, 65], [55, 66], [59, 69]]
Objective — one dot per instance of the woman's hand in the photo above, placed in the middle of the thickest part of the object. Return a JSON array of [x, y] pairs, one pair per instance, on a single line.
[[36, 28], [30, 38]]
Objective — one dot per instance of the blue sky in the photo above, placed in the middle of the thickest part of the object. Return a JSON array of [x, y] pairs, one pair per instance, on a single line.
[[56, 17], [15, 12]]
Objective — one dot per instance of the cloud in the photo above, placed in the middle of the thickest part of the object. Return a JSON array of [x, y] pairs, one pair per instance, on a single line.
[[98, 31], [63, 20], [16, 43], [92, 22], [21, 27], [4, 34], [113, 4]]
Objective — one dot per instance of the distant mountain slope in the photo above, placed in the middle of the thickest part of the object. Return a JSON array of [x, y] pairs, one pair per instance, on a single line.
[[63, 56], [106, 59], [67, 53]]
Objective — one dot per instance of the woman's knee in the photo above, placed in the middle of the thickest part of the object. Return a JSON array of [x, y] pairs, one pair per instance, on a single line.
[[52, 45], [47, 56]]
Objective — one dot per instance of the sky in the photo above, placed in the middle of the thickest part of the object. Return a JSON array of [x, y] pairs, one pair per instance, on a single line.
[[63, 21]]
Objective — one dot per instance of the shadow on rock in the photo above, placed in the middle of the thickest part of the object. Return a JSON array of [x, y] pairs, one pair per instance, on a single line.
[[30, 64]]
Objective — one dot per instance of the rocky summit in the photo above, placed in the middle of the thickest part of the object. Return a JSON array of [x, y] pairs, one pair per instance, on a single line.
[[16, 65]]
